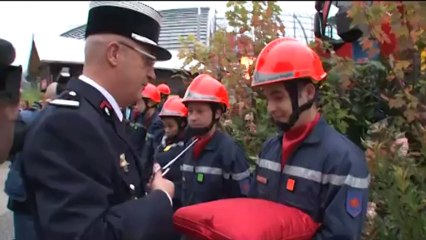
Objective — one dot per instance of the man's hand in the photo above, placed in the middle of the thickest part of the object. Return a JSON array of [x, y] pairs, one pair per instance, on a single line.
[[159, 183]]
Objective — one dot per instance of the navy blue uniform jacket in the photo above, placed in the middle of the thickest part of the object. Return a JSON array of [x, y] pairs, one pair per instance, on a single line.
[[221, 171], [326, 177], [83, 175]]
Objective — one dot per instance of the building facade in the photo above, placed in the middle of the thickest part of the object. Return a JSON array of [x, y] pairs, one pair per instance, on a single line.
[[177, 23]]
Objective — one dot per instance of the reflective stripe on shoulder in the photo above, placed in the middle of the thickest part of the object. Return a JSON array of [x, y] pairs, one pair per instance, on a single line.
[[216, 171], [65, 103], [316, 176]]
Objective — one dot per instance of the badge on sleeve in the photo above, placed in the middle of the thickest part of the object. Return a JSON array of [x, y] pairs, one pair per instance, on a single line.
[[354, 202]]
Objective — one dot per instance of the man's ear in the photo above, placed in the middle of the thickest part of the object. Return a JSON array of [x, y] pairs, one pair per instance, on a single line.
[[309, 91], [218, 114], [112, 53]]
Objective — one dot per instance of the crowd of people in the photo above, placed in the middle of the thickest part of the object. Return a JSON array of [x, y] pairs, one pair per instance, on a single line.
[[112, 155]]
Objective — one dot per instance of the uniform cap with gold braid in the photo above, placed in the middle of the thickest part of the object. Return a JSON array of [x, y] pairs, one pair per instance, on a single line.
[[131, 19]]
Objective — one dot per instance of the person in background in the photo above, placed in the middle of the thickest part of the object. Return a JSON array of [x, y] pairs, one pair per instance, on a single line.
[[82, 174], [14, 185], [49, 94], [146, 124], [165, 92], [215, 167], [10, 82], [173, 114], [308, 165]]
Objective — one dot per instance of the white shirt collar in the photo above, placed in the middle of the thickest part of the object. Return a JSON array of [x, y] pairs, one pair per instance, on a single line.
[[106, 94]]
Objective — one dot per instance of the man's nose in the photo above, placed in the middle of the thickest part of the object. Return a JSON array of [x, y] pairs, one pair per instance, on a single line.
[[192, 118], [271, 107], [151, 74]]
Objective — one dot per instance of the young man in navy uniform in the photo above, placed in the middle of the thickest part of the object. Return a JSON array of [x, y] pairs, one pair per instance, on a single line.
[[82, 173], [308, 165], [10, 82], [215, 167]]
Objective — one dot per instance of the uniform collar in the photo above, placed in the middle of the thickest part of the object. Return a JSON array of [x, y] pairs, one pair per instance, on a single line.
[[214, 141], [315, 136], [106, 94], [317, 132]]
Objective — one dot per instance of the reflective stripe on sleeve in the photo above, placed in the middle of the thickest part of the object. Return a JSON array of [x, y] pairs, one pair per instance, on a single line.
[[268, 164], [202, 169], [237, 176]]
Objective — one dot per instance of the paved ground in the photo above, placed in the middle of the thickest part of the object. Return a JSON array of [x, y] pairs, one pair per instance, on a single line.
[[6, 223]]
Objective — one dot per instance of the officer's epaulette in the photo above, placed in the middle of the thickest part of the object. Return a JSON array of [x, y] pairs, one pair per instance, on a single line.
[[67, 99]]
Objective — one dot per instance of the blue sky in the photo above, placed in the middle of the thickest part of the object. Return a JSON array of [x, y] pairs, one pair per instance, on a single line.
[[20, 19]]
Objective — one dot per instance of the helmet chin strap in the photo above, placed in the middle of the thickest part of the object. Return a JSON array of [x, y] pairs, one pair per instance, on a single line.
[[293, 91]]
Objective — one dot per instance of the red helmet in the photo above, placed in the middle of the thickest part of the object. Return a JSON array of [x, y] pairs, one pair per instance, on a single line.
[[287, 59], [164, 89], [151, 92], [205, 88], [173, 107]]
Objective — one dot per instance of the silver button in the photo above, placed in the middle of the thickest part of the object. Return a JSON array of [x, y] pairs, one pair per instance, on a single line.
[[132, 187], [72, 93]]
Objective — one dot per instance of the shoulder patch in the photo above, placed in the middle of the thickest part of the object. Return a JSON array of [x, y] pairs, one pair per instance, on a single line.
[[65, 103], [354, 199]]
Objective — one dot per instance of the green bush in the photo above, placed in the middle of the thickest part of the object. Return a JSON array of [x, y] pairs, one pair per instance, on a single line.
[[31, 95]]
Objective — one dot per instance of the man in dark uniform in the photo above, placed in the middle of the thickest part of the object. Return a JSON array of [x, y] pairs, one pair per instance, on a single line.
[[10, 81], [82, 173]]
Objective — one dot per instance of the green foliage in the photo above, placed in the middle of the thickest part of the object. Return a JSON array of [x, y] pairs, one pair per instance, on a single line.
[[254, 25], [398, 188], [31, 95]]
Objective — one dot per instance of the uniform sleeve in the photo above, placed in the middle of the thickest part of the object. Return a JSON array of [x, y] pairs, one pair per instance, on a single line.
[[237, 173], [156, 132], [252, 193], [66, 166], [345, 200], [153, 140], [147, 159]]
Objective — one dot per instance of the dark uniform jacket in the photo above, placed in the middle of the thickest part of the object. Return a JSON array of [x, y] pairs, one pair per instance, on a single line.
[[166, 152], [221, 171], [83, 175], [146, 135], [326, 177]]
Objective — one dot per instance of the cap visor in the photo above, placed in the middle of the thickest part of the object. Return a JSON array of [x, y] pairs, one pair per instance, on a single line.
[[160, 53]]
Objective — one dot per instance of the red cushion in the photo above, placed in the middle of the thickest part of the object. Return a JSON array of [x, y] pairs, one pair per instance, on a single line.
[[244, 219]]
